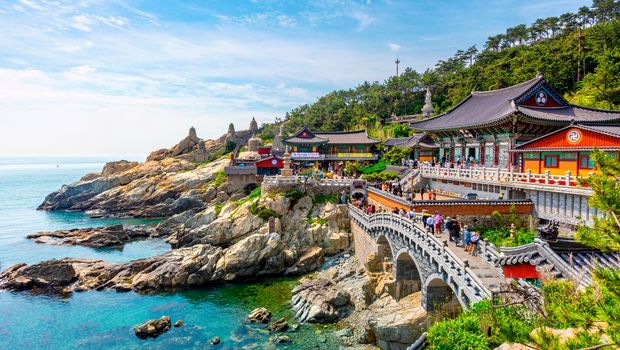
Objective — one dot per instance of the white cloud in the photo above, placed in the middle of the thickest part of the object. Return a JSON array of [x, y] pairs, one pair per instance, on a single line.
[[81, 22], [363, 20], [394, 47]]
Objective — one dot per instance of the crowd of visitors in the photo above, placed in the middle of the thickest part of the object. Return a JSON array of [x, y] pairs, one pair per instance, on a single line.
[[394, 187]]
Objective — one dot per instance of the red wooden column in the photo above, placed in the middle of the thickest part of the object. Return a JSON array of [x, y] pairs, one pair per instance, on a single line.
[[496, 153]]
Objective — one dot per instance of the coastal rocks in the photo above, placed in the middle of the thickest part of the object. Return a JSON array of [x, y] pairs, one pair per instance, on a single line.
[[311, 260], [397, 324], [215, 340], [112, 236], [278, 326], [49, 276], [255, 255], [260, 315], [191, 148], [179, 323], [111, 168], [320, 301], [152, 328]]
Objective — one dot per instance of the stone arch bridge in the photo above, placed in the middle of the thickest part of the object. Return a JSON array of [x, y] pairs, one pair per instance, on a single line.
[[423, 262]]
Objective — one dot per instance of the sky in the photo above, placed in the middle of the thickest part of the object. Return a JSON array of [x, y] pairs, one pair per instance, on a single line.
[[123, 78]]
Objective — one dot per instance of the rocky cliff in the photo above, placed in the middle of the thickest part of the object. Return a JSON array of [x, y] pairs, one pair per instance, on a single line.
[[239, 242], [170, 181]]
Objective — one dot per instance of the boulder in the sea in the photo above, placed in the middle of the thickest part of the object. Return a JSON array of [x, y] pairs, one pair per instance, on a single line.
[[47, 276], [281, 339], [179, 323], [260, 315], [278, 326], [215, 340], [320, 301], [152, 328], [98, 237]]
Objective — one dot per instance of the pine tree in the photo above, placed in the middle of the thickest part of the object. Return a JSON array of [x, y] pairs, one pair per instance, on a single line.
[[605, 184]]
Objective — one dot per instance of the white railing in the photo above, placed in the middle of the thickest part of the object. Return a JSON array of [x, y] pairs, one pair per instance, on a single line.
[[299, 179], [506, 177], [436, 250]]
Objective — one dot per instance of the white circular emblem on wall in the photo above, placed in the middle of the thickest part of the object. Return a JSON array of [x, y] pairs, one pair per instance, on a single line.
[[541, 98], [573, 136], [274, 162]]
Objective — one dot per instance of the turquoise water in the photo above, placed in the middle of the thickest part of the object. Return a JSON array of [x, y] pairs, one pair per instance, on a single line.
[[104, 320]]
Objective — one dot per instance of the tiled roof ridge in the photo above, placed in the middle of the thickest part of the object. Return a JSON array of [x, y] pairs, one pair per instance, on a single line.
[[533, 82]]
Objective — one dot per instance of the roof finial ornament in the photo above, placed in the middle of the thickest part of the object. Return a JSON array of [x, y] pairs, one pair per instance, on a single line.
[[572, 122], [539, 74]]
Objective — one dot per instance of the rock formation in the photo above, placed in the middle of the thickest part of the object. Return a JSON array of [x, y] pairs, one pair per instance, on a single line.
[[169, 182], [320, 301], [152, 328], [260, 315], [97, 237], [253, 126], [209, 248]]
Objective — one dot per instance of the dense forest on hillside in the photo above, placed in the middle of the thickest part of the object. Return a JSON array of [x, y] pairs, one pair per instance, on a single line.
[[579, 54]]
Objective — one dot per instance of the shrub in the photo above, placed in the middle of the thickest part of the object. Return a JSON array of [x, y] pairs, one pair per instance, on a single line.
[[325, 198], [378, 167], [380, 177], [294, 195]]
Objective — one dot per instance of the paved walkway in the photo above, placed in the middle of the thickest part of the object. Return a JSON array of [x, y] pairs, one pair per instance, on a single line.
[[487, 274]]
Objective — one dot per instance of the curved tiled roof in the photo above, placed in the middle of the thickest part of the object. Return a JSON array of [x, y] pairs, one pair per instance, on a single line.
[[358, 137], [478, 108], [571, 113], [490, 107], [420, 139]]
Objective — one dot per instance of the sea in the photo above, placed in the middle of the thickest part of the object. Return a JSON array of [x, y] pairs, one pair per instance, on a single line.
[[105, 319]]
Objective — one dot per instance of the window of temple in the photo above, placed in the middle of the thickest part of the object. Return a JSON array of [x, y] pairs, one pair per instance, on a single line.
[[552, 161], [586, 162]]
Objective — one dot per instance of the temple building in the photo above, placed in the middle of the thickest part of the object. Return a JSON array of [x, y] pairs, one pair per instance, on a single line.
[[487, 126], [568, 149], [423, 148], [330, 149]]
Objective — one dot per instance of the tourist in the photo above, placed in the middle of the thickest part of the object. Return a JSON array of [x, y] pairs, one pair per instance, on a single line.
[[501, 196], [422, 190], [395, 210], [437, 222], [430, 224], [411, 214], [466, 238], [425, 216], [433, 162], [402, 212], [450, 228], [475, 237]]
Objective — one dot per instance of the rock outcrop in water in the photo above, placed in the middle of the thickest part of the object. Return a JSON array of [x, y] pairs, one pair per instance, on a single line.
[[320, 301], [152, 328], [96, 237], [169, 182], [209, 247]]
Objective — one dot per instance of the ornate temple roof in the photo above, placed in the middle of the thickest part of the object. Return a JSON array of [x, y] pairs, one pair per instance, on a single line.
[[305, 136], [564, 258], [533, 101], [418, 139]]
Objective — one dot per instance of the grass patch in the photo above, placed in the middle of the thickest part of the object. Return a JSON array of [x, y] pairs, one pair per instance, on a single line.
[[263, 212], [218, 180], [375, 168], [380, 177], [294, 195], [218, 208], [317, 220], [501, 237], [325, 198]]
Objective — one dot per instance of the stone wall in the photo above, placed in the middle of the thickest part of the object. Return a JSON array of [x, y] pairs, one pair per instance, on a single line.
[[364, 244], [309, 188], [478, 214]]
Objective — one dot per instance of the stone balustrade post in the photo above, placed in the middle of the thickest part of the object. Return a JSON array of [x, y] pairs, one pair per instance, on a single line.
[[547, 174], [528, 175], [484, 173], [511, 176], [567, 177], [498, 172]]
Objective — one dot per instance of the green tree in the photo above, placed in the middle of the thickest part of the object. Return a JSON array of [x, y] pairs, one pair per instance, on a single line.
[[605, 184], [395, 155]]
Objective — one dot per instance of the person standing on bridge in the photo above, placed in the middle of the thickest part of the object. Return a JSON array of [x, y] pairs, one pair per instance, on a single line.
[[466, 238], [437, 222], [425, 216]]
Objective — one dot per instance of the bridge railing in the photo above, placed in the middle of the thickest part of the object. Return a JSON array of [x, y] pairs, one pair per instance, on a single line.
[[299, 179], [438, 250], [500, 175]]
